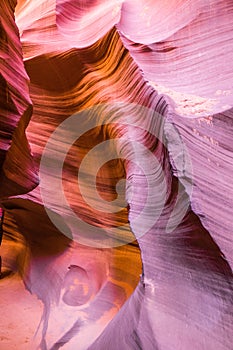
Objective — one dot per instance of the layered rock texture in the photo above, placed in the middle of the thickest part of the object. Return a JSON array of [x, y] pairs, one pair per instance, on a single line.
[[116, 173]]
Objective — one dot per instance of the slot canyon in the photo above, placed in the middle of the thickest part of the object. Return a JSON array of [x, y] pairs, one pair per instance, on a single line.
[[116, 163]]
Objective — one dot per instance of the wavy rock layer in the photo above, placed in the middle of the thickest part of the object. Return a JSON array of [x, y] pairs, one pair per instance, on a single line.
[[184, 48], [209, 144], [116, 163], [17, 174]]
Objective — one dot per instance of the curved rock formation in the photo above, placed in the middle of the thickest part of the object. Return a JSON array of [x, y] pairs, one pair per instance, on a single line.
[[126, 240], [17, 174]]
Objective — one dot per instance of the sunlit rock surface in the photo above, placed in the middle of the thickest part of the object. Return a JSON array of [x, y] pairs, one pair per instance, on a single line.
[[127, 240], [184, 48]]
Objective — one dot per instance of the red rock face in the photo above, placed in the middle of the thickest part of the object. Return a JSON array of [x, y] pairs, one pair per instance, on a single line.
[[117, 198], [18, 174]]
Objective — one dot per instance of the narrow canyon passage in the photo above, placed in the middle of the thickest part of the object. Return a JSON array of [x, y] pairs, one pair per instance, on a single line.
[[115, 183]]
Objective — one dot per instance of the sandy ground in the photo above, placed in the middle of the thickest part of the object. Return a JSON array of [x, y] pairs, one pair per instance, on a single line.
[[20, 314]]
